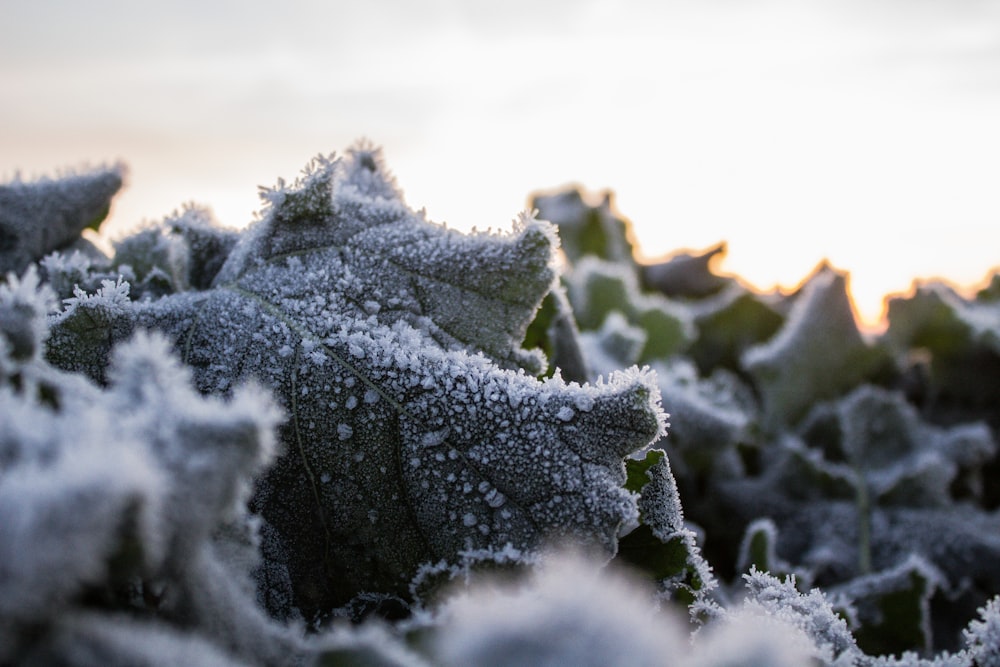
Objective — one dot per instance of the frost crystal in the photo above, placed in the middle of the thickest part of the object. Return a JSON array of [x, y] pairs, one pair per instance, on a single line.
[[983, 635]]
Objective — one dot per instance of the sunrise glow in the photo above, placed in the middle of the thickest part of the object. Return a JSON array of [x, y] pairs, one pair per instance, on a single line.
[[859, 133]]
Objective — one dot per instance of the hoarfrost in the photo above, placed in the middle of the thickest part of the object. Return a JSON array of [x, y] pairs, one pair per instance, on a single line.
[[569, 613], [37, 217], [437, 361], [983, 635], [818, 354], [107, 491]]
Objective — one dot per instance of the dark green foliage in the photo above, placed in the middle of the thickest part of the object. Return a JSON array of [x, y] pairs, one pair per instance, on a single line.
[[554, 331], [586, 229], [892, 609], [952, 348], [661, 546], [802, 446], [728, 324], [37, 217], [418, 472], [414, 432], [685, 275]]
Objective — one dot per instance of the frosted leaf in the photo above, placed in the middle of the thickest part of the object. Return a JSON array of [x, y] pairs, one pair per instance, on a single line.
[[810, 612], [953, 346], [892, 607], [82, 335], [659, 544], [983, 635], [818, 354], [24, 306], [903, 459], [597, 288], [587, 229], [112, 498], [37, 217], [839, 519], [156, 262], [615, 345], [731, 322], [938, 318], [475, 292], [184, 251], [61, 522], [685, 274], [960, 541], [438, 361], [64, 269], [152, 464], [204, 245], [748, 639], [707, 415], [758, 550], [97, 640], [568, 613]]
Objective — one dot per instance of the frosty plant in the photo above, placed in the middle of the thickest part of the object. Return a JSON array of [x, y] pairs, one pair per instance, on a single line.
[[216, 444], [417, 431]]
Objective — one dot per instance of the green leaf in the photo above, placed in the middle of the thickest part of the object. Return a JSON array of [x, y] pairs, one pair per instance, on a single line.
[[729, 323], [661, 546], [685, 275], [587, 229], [758, 549], [598, 288], [416, 429], [554, 331], [957, 341], [893, 608], [818, 354]]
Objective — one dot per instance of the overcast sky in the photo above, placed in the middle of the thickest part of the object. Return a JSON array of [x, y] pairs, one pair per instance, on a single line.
[[861, 131]]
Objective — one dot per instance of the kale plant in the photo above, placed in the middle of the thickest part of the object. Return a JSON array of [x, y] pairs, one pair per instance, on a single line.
[[802, 446], [347, 435]]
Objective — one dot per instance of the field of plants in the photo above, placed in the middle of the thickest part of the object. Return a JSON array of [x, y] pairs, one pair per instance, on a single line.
[[347, 435]]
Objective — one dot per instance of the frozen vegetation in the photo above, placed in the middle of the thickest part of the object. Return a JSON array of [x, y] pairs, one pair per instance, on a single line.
[[347, 435]]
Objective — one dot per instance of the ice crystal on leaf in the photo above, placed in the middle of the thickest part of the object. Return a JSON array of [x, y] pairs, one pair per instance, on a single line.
[[983, 635], [416, 428], [810, 612], [23, 329]]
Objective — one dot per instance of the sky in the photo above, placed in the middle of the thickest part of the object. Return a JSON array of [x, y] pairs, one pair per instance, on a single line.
[[862, 132]]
